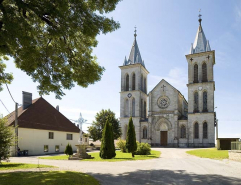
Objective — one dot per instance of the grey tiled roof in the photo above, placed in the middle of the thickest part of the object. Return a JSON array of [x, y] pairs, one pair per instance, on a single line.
[[201, 44], [135, 55]]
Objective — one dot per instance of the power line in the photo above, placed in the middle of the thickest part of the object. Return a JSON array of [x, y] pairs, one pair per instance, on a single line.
[[10, 93], [5, 106]]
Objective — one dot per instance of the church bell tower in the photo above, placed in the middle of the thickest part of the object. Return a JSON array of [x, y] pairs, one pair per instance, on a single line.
[[201, 87], [133, 95]]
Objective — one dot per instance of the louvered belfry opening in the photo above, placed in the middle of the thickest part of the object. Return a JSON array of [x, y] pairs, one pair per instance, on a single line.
[[127, 82], [196, 104], [204, 72], [134, 81], [195, 73], [205, 101]]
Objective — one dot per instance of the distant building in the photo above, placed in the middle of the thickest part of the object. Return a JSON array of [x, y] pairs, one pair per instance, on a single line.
[[163, 116], [42, 129]]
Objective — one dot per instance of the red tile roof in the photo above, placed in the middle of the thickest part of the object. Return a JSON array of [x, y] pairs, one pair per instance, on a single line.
[[42, 115]]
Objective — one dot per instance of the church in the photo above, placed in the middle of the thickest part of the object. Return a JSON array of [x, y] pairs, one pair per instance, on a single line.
[[163, 117]]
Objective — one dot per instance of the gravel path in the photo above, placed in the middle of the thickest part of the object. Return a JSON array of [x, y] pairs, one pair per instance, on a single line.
[[173, 167]]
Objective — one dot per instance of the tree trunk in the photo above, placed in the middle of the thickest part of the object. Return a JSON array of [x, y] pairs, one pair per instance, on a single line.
[[133, 154]]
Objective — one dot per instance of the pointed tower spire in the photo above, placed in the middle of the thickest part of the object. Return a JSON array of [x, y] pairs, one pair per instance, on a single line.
[[135, 55], [200, 43]]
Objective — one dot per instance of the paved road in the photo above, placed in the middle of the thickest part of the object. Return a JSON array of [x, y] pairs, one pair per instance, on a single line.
[[173, 167]]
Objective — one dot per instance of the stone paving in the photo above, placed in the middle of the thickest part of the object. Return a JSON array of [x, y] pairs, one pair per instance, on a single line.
[[173, 167]]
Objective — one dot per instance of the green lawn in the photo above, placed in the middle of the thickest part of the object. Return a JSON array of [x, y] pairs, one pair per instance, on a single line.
[[211, 153], [14, 166], [48, 178], [119, 157]]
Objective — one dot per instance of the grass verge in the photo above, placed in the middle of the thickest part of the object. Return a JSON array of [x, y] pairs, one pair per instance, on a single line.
[[119, 157], [48, 178], [211, 153], [15, 166]]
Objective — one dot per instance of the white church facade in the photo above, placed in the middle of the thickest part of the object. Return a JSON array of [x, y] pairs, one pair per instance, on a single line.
[[163, 117]]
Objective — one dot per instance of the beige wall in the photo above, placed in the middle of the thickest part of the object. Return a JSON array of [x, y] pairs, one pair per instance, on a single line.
[[34, 140]]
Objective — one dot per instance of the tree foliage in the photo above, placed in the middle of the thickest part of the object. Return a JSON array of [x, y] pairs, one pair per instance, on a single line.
[[6, 139], [52, 41], [131, 145], [98, 125], [107, 149], [68, 150]]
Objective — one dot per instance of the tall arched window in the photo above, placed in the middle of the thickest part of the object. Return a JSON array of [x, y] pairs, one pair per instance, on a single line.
[[133, 107], [144, 109], [127, 108], [196, 131], [205, 101], [127, 82], [145, 85], [141, 82], [196, 107], [183, 131], [134, 81], [141, 108], [205, 130], [204, 72], [195, 73], [144, 133]]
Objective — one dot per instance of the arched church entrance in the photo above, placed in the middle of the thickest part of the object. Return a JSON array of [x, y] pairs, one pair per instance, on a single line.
[[163, 134]]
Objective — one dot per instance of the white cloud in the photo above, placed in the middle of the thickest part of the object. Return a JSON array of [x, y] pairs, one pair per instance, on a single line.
[[177, 77]]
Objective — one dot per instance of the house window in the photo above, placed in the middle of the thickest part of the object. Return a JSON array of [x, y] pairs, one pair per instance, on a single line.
[[127, 82], [56, 148], [204, 72], [205, 101], [196, 131], [195, 73], [133, 81], [205, 130], [69, 136], [144, 133], [141, 108], [51, 135], [86, 140], [46, 148], [183, 131]]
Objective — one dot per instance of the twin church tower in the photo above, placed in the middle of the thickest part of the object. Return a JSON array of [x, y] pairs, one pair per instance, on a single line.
[[163, 117]]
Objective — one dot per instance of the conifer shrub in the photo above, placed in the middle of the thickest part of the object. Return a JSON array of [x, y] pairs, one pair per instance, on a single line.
[[107, 149], [131, 145], [68, 150], [143, 149], [121, 144]]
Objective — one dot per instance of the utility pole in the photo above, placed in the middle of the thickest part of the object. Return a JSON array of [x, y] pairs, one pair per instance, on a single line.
[[16, 129]]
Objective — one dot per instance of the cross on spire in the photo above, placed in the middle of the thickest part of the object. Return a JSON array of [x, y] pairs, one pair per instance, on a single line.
[[135, 32], [200, 15]]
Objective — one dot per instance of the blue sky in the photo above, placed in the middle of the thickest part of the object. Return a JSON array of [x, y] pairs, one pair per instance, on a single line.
[[165, 31]]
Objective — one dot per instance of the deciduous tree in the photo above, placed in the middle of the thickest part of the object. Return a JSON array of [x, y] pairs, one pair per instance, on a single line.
[[52, 41], [6, 139], [98, 125]]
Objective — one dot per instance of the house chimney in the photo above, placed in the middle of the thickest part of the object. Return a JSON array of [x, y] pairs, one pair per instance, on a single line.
[[27, 99], [57, 108]]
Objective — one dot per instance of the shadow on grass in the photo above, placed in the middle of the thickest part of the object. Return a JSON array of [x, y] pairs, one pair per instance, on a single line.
[[180, 177], [10, 165], [47, 178]]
